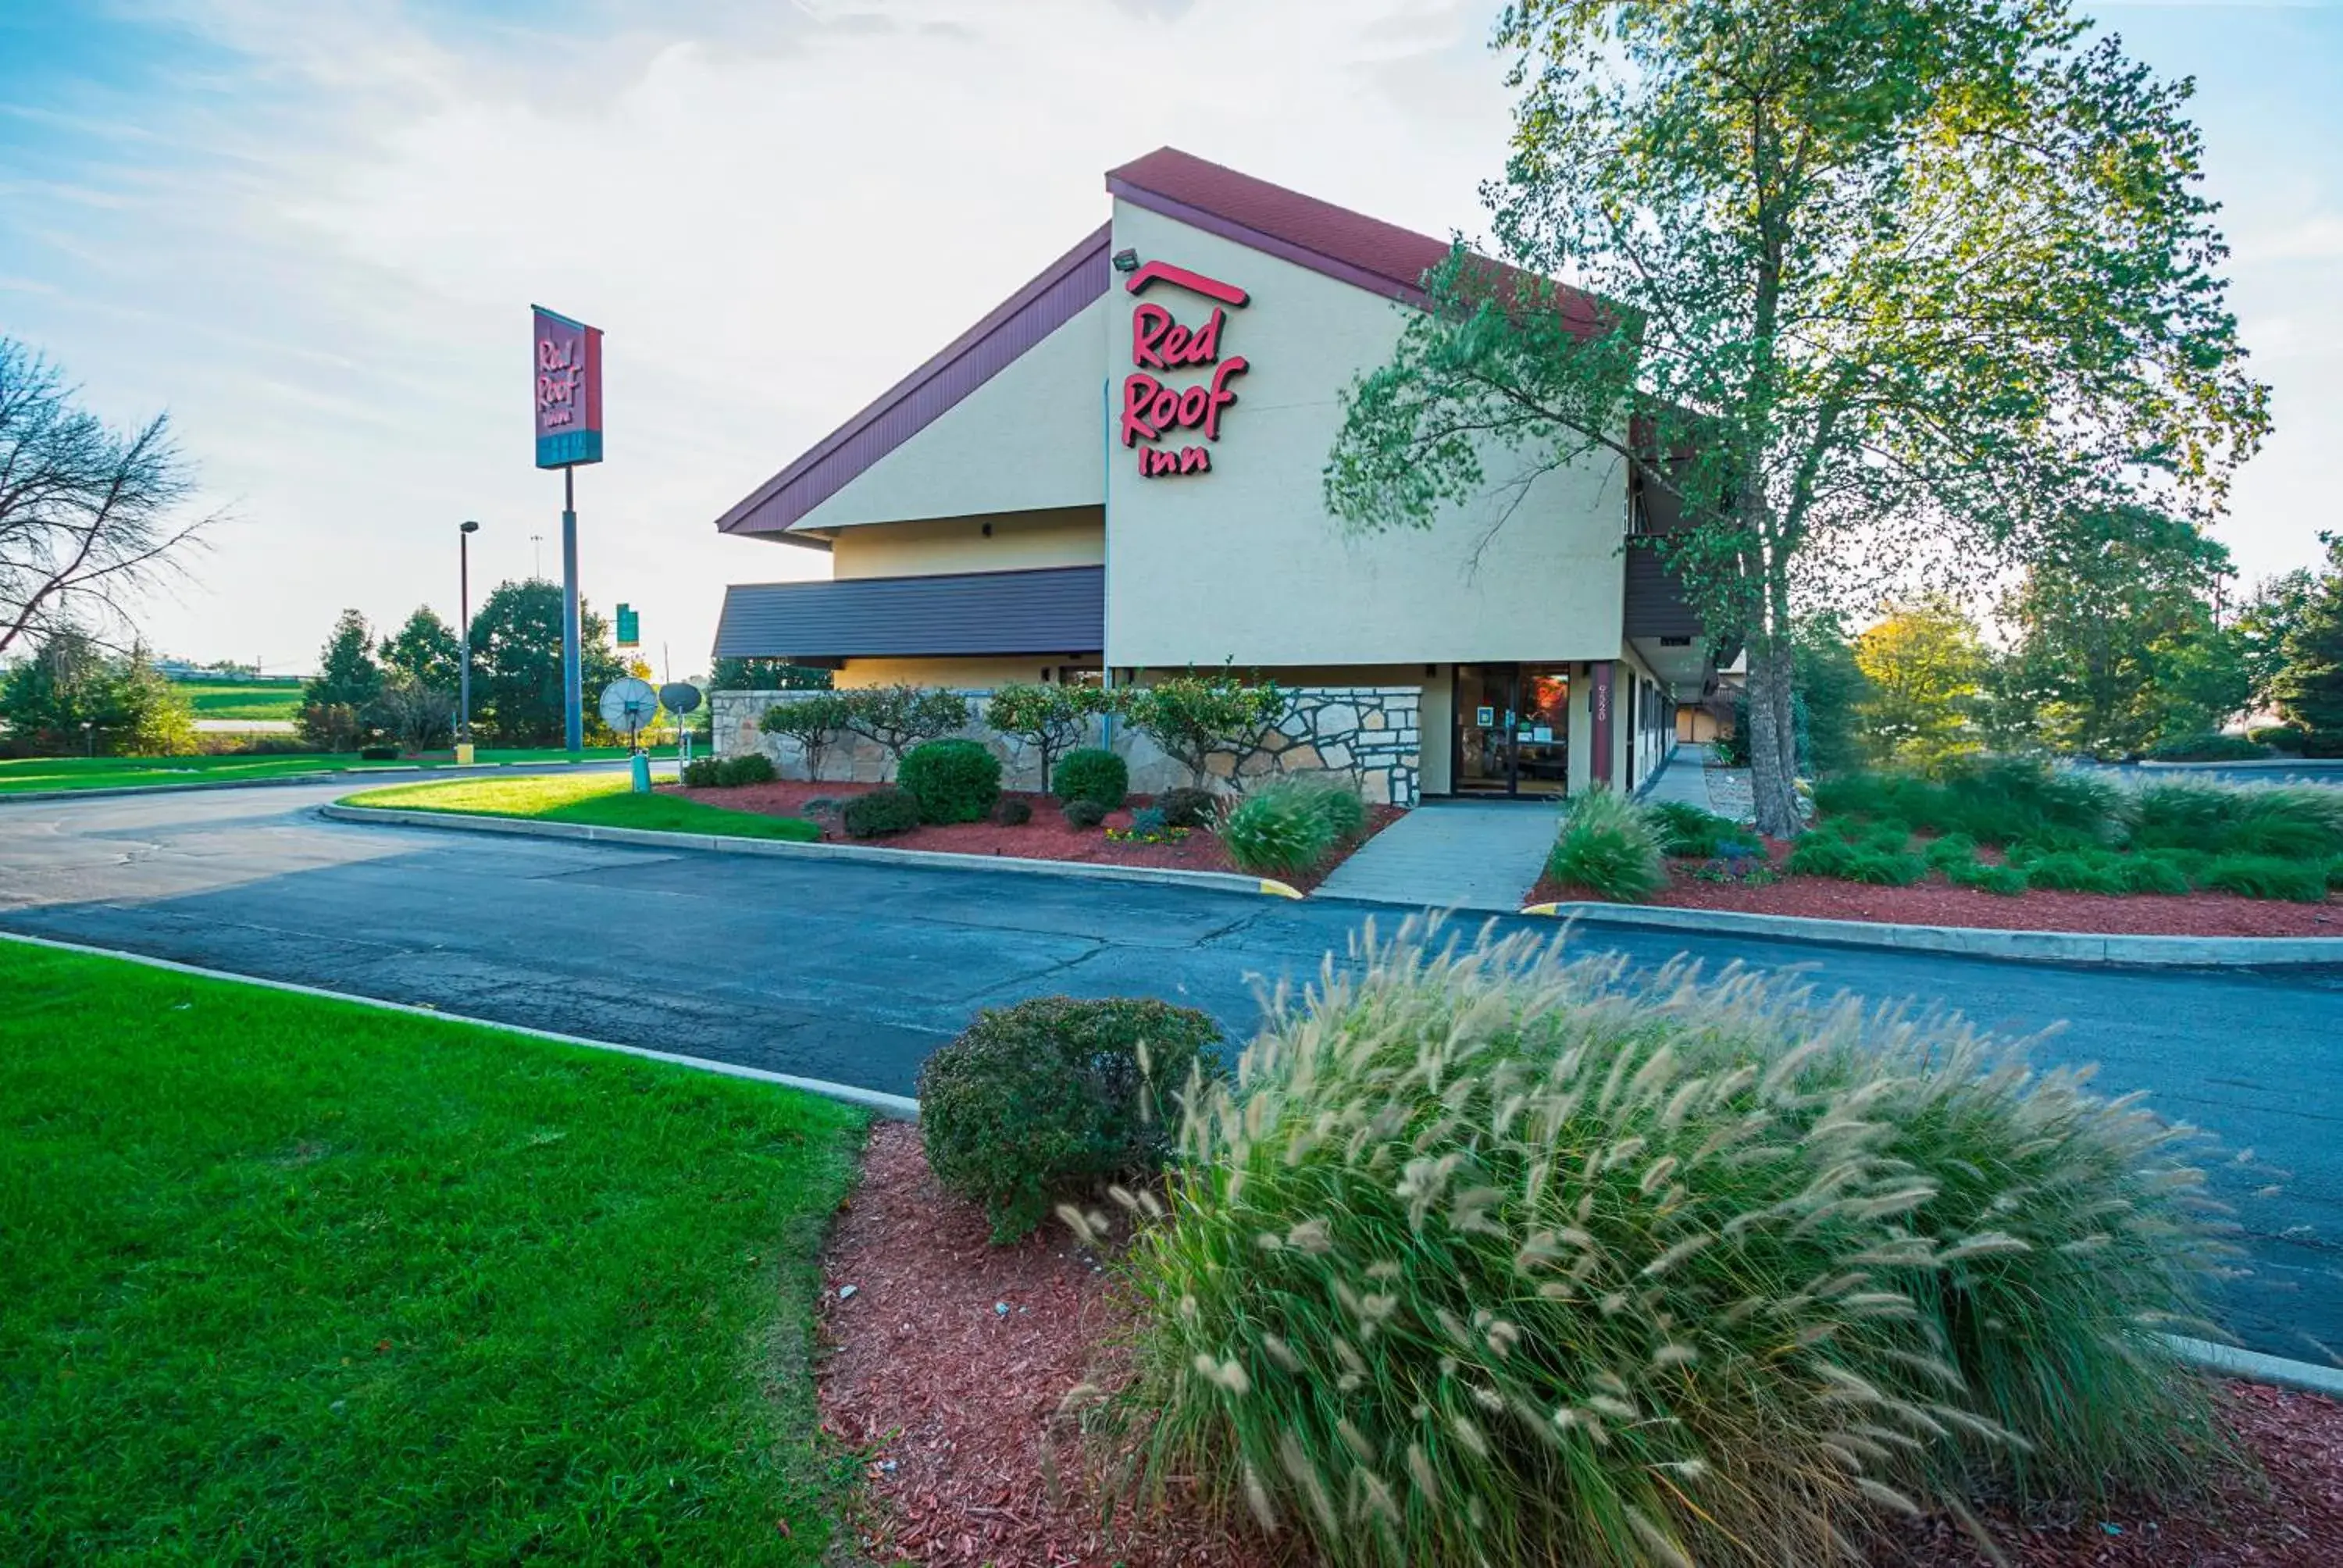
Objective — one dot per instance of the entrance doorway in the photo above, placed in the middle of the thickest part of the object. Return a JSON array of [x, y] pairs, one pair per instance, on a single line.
[[1512, 729]]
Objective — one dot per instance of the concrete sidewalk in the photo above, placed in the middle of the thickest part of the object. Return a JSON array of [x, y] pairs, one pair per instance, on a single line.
[[1452, 855], [1693, 777]]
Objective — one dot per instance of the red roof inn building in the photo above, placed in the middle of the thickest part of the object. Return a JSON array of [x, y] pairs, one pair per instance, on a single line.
[[1116, 475]]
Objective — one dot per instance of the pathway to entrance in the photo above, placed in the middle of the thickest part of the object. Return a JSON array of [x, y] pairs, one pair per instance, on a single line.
[[1452, 855], [1693, 777]]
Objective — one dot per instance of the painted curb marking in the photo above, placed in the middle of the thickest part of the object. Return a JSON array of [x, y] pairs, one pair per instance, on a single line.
[[902, 1108], [2087, 948], [725, 844]]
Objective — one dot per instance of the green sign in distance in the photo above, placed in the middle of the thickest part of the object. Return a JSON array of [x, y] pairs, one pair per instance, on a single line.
[[630, 627]]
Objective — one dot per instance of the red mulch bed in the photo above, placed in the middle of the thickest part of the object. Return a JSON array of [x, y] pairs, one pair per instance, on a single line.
[[1048, 836], [952, 1404], [1936, 903]]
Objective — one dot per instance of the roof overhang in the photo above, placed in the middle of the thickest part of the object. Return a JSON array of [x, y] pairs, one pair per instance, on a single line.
[[1059, 610]]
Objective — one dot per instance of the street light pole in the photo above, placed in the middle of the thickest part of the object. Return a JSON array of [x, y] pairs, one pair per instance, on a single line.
[[464, 533]]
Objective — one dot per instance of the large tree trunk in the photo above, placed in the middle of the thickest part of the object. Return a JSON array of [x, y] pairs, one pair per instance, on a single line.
[[1773, 738]]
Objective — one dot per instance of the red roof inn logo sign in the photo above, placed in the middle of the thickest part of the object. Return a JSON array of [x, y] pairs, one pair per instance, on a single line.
[[1151, 410], [569, 391]]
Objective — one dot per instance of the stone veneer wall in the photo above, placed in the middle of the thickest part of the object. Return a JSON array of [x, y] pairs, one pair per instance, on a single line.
[[1368, 734]]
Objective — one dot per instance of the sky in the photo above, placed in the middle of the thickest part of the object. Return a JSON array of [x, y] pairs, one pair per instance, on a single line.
[[310, 230]]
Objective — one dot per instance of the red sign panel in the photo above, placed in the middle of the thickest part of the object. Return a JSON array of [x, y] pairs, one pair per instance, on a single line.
[[1153, 408], [568, 366]]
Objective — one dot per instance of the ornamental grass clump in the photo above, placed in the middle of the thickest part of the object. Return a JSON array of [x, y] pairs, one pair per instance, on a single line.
[[1489, 1255], [1608, 847]]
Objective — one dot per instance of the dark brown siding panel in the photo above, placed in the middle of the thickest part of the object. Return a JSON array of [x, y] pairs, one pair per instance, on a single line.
[[1059, 611], [904, 409], [1657, 605]]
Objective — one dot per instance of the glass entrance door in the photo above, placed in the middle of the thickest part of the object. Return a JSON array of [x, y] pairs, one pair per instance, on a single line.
[[1512, 729]]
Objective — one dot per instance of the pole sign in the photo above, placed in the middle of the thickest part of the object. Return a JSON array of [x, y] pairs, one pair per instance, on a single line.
[[630, 627], [569, 366]]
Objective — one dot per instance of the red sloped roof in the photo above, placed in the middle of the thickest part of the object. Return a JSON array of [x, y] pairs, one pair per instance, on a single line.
[[1383, 251]]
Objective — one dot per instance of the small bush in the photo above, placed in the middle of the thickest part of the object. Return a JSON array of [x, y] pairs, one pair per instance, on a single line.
[[2285, 739], [701, 772], [1054, 1098], [881, 811], [2267, 877], [1186, 807], [2152, 874], [1277, 832], [2206, 748], [1150, 822], [749, 768], [1336, 799], [1821, 854], [2007, 881], [1092, 773], [1952, 850], [1608, 847], [1084, 813], [378, 753], [2077, 872], [1009, 811], [952, 780], [1886, 838], [1690, 833], [1886, 869], [2302, 820], [1486, 1256]]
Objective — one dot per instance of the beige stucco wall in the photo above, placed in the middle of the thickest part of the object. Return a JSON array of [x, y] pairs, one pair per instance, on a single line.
[[1026, 440], [1244, 562], [961, 674], [1019, 541]]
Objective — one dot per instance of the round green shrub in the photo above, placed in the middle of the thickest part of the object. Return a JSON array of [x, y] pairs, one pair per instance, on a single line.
[[1487, 1256], [1886, 869], [2152, 874], [954, 781], [879, 812], [2267, 877], [1277, 833], [2285, 739], [701, 773], [2077, 872], [1092, 773], [1187, 808], [1339, 802], [1084, 813], [749, 768], [1690, 833], [2206, 748], [1056, 1097], [1012, 812], [1821, 854], [2007, 881], [378, 753], [1608, 847], [1952, 850]]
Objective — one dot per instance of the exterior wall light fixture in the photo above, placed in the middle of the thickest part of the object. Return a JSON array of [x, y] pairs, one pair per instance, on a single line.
[[1126, 261]]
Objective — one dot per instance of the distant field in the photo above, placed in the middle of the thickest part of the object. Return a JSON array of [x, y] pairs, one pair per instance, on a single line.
[[23, 774], [243, 698]]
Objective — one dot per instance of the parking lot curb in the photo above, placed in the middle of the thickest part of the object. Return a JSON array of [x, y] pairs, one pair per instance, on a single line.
[[2098, 950], [902, 1108], [783, 848]]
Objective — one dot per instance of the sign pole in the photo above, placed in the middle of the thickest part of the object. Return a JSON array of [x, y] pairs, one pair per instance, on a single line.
[[573, 689]]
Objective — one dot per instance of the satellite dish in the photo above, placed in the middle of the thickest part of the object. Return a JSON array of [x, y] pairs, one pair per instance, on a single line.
[[630, 705], [680, 696]]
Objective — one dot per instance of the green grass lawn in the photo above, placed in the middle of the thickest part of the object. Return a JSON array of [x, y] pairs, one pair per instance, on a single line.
[[243, 698], [295, 1281], [600, 799], [21, 774]]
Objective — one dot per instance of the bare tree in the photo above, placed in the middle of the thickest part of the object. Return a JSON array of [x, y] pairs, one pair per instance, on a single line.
[[86, 513]]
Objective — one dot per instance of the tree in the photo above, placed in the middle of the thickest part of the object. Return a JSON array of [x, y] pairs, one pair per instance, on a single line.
[[72, 695], [88, 515], [766, 675], [1832, 689], [516, 671], [2310, 688], [334, 700], [1051, 718], [815, 721], [2266, 618], [1924, 667], [1193, 716], [426, 649], [2116, 647], [417, 717], [897, 718], [1874, 290]]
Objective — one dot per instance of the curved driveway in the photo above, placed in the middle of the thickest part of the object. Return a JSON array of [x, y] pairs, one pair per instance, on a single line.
[[854, 974]]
